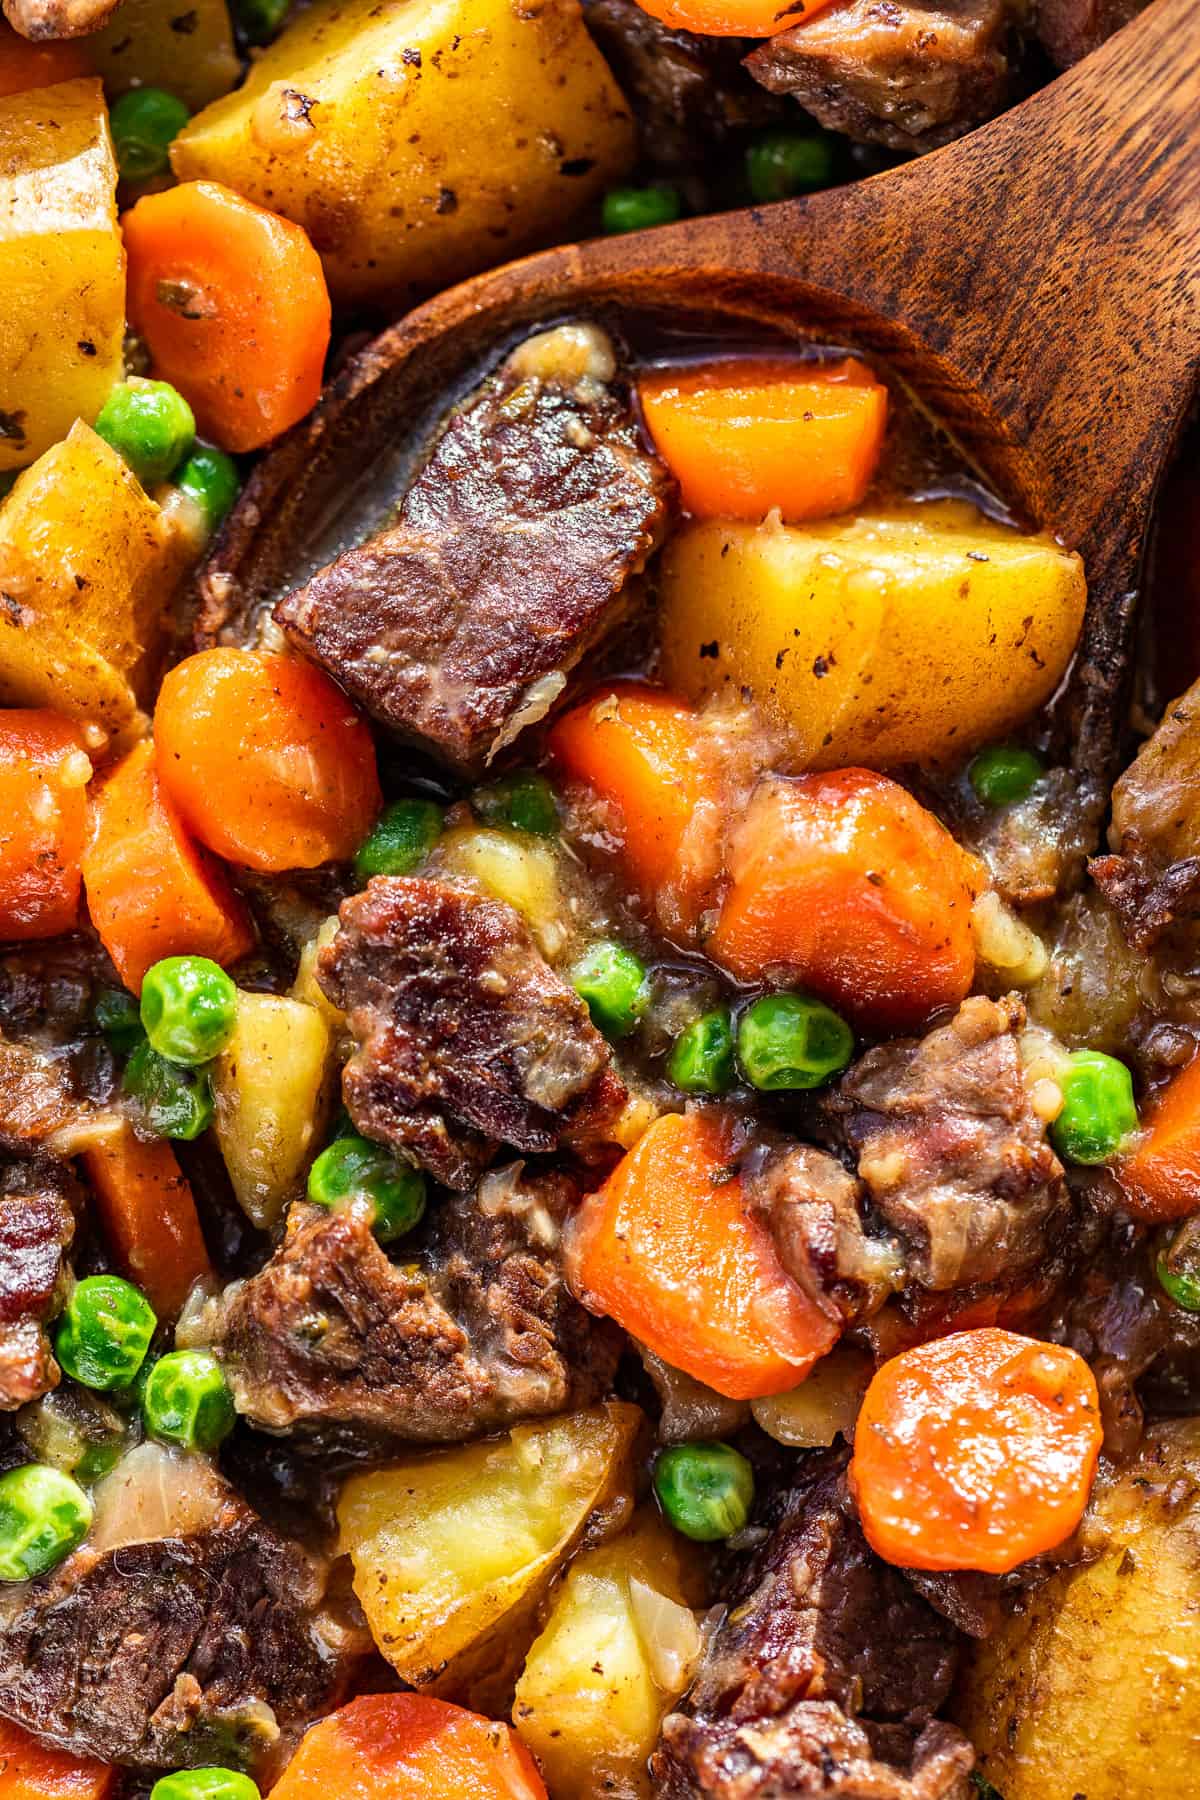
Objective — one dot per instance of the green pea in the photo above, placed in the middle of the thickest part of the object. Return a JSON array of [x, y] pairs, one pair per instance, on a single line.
[[172, 1102], [260, 21], [144, 123], [44, 1515], [1098, 1111], [1178, 1267], [189, 1009], [150, 425], [186, 1400], [404, 835], [614, 983], [75, 1430], [116, 1013], [522, 802], [1004, 773], [701, 1061], [706, 1490], [210, 479], [782, 163], [205, 1784], [105, 1332], [354, 1168], [633, 209], [790, 1041]]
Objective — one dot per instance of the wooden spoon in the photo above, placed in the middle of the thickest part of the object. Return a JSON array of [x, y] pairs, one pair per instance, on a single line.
[[1037, 285]]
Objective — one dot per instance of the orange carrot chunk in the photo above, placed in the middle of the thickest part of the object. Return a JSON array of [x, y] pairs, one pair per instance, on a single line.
[[267, 761], [642, 753], [845, 885], [26, 65], [43, 822], [730, 18], [668, 1249], [975, 1451], [1161, 1177], [409, 1747], [31, 1770], [743, 437], [149, 1217], [151, 891], [232, 303]]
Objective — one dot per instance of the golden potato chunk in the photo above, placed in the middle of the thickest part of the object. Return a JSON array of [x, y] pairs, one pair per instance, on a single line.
[[271, 1088], [185, 46], [1093, 1688], [452, 1551], [619, 1647], [88, 567], [905, 636], [62, 266], [418, 141]]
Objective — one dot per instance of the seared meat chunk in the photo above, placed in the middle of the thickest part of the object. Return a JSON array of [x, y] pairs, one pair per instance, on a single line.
[[509, 560], [894, 72], [38, 1198], [474, 1332], [954, 1157], [209, 1646], [467, 1038], [1072, 29], [811, 1207], [825, 1673], [58, 18]]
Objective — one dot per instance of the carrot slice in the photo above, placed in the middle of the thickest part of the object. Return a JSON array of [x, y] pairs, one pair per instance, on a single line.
[[732, 18], [743, 437], [409, 1747], [975, 1451], [44, 773], [844, 884], [149, 1217], [232, 302], [642, 753], [151, 891], [667, 1249], [1160, 1179], [26, 65], [268, 762], [31, 1770]]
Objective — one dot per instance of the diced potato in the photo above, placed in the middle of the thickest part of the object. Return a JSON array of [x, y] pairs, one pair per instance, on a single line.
[[1092, 1686], [513, 867], [364, 122], [619, 1647], [62, 266], [906, 636], [822, 1407], [453, 1551], [88, 567], [185, 46], [307, 988], [271, 1087]]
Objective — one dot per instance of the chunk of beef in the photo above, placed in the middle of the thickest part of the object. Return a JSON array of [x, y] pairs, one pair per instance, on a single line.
[[39, 1105], [688, 92], [894, 72], [40, 19], [467, 1038], [825, 1673], [812, 1208], [954, 1157], [510, 558], [1072, 29], [38, 1199], [213, 1646], [474, 1332]]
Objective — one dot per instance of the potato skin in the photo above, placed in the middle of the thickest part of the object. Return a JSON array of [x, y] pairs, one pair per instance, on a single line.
[[911, 635], [62, 266], [418, 141], [1093, 1689]]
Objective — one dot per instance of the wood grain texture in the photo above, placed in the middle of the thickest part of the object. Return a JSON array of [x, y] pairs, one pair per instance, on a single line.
[[1037, 284]]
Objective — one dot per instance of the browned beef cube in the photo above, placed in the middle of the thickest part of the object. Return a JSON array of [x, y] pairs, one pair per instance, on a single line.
[[509, 561], [474, 1332], [37, 1223], [894, 72], [467, 1038]]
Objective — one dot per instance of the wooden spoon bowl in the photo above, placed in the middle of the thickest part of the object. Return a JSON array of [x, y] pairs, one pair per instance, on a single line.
[[1036, 285]]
